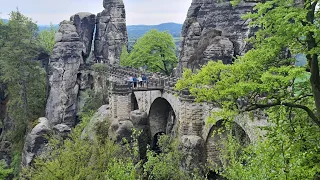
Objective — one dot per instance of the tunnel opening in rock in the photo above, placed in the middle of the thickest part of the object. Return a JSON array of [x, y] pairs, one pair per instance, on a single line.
[[134, 102], [161, 119], [216, 142]]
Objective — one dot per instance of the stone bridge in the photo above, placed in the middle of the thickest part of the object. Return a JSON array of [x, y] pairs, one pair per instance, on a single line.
[[174, 113]]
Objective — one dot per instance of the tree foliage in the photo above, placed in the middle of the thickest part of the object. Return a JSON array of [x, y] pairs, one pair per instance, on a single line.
[[167, 163], [79, 158], [265, 79], [5, 171], [46, 38], [155, 49], [22, 77]]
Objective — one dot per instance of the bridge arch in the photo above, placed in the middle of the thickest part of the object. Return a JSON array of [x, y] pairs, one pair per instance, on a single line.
[[134, 102], [214, 140], [162, 117]]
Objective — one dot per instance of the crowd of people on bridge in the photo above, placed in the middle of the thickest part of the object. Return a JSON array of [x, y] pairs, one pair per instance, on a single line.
[[138, 82]]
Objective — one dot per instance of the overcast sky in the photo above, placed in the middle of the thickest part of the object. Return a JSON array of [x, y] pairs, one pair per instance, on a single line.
[[138, 11]]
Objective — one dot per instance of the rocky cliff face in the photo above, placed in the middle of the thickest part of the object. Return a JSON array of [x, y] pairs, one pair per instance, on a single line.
[[73, 45], [111, 32], [85, 24], [213, 30]]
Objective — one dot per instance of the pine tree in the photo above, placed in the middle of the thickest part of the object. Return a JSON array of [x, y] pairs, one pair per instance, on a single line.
[[22, 76]]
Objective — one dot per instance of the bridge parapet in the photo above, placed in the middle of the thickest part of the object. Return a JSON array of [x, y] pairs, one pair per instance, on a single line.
[[155, 80]]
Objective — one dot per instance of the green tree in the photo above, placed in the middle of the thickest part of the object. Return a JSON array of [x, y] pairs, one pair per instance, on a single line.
[[156, 50], [265, 79], [46, 38], [22, 75]]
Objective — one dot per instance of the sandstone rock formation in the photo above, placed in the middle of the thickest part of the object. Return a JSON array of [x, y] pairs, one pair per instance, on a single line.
[[111, 32], [35, 142], [73, 46], [64, 66], [85, 24], [213, 30], [102, 116], [120, 129], [61, 130]]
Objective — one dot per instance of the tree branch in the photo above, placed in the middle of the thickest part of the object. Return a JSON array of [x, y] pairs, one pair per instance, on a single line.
[[278, 103], [160, 68]]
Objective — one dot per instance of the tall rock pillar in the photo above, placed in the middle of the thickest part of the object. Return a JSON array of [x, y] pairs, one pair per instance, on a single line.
[[73, 44], [111, 32]]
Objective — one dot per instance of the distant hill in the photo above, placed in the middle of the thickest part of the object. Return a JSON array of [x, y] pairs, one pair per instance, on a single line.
[[136, 31], [46, 27]]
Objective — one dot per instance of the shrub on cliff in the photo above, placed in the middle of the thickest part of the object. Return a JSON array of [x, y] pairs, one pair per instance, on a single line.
[[79, 158]]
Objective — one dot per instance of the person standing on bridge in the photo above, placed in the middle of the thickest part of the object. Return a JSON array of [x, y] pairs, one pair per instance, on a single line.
[[144, 79], [140, 81], [130, 81], [134, 81]]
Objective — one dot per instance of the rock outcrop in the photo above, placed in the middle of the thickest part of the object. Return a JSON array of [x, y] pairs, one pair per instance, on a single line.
[[35, 142], [111, 32], [63, 71], [102, 116], [85, 24], [213, 30]]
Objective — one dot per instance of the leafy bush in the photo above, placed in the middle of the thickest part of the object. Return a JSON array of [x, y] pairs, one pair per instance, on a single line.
[[167, 164], [99, 67], [94, 100], [5, 171], [79, 158]]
